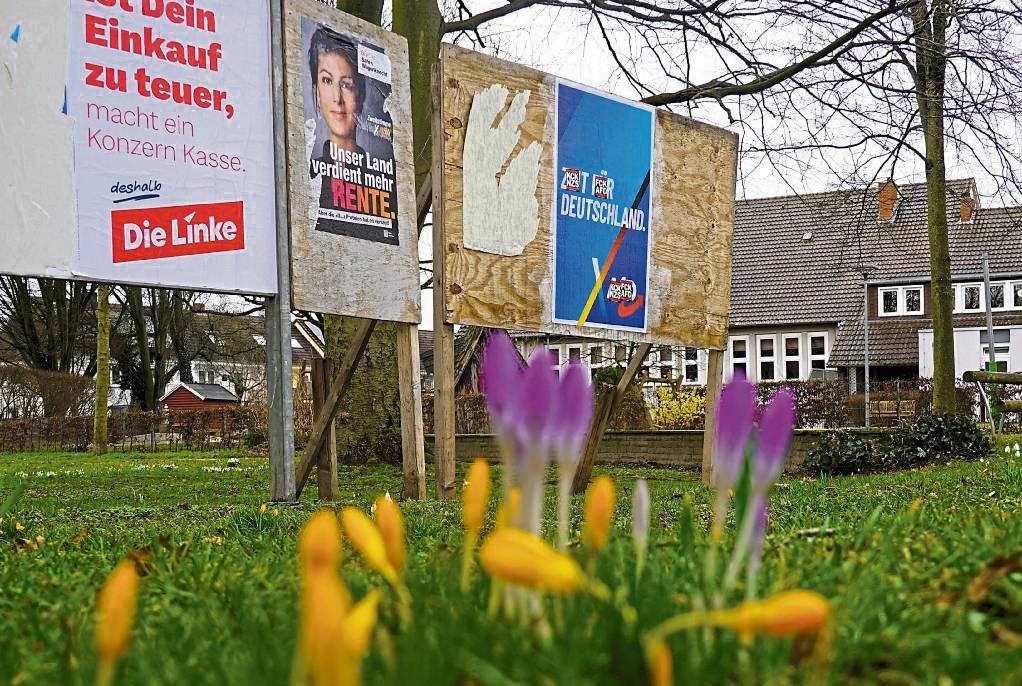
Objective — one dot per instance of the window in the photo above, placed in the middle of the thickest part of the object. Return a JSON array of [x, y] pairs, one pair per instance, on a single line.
[[574, 354], [666, 355], [900, 300], [1018, 294], [793, 356], [555, 355], [971, 301], [620, 353], [888, 301], [595, 355], [1002, 348], [818, 351], [691, 365], [767, 358], [740, 355], [914, 300], [997, 296]]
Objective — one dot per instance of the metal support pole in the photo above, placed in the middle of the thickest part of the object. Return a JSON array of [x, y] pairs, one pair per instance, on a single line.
[[279, 392], [865, 333], [991, 352]]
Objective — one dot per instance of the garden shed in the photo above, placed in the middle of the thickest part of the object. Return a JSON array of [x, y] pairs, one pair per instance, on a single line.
[[198, 396]]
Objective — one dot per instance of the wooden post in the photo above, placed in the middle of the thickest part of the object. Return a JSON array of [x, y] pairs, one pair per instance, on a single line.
[[607, 403], [327, 458], [413, 450], [443, 333], [338, 387], [279, 392], [714, 382]]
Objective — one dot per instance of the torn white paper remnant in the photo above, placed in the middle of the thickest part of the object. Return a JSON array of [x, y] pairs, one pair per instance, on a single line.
[[501, 213]]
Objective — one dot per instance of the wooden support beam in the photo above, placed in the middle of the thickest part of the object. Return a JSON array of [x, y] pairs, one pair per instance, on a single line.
[[327, 458], [1011, 406], [714, 383], [609, 399], [443, 333], [338, 387], [413, 449], [992, 377]]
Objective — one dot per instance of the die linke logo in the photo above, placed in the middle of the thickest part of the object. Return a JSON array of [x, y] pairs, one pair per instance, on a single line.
[[156, 232]]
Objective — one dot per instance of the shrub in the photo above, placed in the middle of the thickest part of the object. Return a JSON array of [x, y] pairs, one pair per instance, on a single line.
[[679, 408], [930, 439]]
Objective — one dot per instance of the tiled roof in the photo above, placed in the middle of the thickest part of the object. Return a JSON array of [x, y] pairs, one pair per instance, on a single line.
[[796, 258], [894, 343]]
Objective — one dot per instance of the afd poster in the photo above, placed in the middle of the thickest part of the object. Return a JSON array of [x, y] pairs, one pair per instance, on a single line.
[[349, 134], [603, 159], [173, 143]]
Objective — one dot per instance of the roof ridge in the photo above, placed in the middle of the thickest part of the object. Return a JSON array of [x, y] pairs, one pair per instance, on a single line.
[[846, 191]]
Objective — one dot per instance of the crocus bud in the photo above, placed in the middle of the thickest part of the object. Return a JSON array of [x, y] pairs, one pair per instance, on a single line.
[[319, 544], [324, 606], [661, 665], [508, 511], [522, 559], [359, 624], [775, 430], [598, 512], [476, 496], [736, 410], [391, 526], [502, 372], [368, 542], [115, 612], [640, 517], [786, 614]]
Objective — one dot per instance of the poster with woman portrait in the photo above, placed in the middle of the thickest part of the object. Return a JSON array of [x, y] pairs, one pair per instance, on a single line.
[[352, 179], [349, 133]]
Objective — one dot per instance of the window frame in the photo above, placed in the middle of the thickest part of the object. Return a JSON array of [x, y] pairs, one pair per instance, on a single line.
[[797, 337], [761, 358], [826, 349], [922, 299], [744, 361], [686, 364], [901, 300], [982, 297], [1016, 294], [881, 292], [1004, 295]]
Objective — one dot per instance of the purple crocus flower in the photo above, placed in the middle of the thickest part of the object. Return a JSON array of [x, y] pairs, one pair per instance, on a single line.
[[537, 403], [773, 439], [640, 516], [759, 527], [735, 411], [502, 375], [573, 412]]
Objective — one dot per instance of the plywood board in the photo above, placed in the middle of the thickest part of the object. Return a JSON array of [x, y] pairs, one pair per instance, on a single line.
[[354, 242], [499, 272]]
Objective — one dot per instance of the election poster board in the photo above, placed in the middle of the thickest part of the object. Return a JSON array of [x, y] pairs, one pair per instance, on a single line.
[[154, 121], [354, 242], [571, 211], [604, 165]]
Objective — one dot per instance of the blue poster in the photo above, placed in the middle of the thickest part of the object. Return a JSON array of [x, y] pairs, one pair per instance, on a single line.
[[602, 212]]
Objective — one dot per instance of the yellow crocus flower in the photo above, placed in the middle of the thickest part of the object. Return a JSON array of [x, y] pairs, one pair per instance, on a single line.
[[391, 525], [520, 558], [324, 608], [476, 496], [115, 615], [319, 544], [507, 512], [367, 540], [661, 665], [598, 513], [786, 614], [359, 625]]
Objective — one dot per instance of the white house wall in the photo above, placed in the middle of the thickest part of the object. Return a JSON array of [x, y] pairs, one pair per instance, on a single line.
[[968, 351]]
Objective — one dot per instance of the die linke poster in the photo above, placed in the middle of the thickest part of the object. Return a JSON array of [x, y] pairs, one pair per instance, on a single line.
[[173, 143], [602, 212]]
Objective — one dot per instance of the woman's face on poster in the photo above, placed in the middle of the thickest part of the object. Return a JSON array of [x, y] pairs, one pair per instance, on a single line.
[[337, 92]]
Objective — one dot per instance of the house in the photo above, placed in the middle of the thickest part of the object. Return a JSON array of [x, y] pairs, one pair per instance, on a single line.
[[469, 343], [803, 267], [198, 396]]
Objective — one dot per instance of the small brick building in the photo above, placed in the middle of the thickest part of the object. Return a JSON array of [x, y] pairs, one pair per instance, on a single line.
[[198, 396]]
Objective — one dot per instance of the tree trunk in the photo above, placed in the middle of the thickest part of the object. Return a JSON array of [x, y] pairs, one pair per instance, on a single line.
[[420, 22], [100, 415], [931, 63]]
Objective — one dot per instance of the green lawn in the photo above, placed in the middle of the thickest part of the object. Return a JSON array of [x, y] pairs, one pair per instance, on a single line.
[[896, 554]]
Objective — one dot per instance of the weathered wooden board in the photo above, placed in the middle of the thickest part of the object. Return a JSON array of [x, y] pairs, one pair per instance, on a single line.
[[693, 200], [337, 272]]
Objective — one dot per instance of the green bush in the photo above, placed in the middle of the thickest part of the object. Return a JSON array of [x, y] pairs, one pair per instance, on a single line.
[[930, 439]]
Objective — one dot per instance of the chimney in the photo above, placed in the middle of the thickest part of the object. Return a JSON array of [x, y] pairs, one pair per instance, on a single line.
[[887, 200], [968, 207]]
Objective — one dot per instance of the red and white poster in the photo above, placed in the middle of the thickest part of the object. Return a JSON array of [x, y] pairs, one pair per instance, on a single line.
[[173, 143]]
